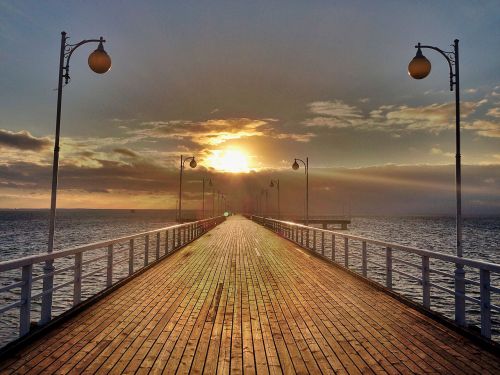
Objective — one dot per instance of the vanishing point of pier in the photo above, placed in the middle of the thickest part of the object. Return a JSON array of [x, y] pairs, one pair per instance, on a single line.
[[241, 299]]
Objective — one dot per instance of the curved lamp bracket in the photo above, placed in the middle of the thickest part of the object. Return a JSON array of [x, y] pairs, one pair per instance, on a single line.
[[68, 51], [450, 58]]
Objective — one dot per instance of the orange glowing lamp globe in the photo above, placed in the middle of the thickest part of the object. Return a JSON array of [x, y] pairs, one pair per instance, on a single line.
[[99, 61]]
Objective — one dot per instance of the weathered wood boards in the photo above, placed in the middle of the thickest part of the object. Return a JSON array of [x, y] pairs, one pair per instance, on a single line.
[[243, 300]]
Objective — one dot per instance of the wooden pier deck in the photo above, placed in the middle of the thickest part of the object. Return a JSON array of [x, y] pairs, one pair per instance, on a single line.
[[240, 299]]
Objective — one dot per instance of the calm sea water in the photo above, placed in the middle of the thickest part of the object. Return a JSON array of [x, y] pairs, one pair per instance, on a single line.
[[24, 233]]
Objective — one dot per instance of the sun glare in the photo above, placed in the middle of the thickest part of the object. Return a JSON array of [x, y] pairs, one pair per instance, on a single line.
[[231, 160]]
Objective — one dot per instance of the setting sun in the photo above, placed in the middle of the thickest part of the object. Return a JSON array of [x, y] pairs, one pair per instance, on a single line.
[[231, 160]]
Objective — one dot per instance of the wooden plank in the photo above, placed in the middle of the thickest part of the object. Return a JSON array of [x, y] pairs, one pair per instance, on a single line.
[[243, 300]]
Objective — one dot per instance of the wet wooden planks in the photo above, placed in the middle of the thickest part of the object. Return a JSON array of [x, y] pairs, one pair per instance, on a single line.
[[243, 300]]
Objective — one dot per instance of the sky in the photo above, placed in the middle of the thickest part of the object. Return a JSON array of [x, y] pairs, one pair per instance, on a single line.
[[246, 87]]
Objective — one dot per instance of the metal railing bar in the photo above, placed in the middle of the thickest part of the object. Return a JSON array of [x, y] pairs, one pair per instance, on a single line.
[[57, 287], [38, 258], [407, 263], [492, 267], [408, 275], [438, 272], [443, 288], [11, 306], [94, 272], [494, 289], [56, 272], [11, 286], [94, 259]]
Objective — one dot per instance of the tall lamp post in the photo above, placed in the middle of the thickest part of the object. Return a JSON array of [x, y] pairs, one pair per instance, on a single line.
[[100, 62], [276, 183], [264, 192], [192, 164], [295, 166], [203, 195], [419, 68], [213, 200]]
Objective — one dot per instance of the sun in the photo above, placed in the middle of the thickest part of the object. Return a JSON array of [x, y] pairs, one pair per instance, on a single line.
[[230, 160]]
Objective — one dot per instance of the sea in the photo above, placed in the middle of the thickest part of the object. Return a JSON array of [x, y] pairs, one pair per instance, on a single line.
[[24, 233]]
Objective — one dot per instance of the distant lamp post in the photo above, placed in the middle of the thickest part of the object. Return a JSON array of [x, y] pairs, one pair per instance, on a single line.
[[276, 183], [296, 166], [100, 62], [192, 164], [203, 195], [420, 68]]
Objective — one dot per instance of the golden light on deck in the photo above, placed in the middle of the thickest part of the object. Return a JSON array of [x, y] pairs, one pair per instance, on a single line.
[[230, 160]]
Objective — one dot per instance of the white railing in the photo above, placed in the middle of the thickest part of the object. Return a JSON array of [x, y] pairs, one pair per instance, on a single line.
[[74, 262], [364, 250]]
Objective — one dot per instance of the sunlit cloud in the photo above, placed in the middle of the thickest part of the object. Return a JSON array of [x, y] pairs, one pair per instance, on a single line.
[[433, 118]]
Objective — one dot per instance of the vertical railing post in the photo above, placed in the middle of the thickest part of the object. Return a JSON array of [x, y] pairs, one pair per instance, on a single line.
[[166, 242], [302, 237], [426, 283], [364, 259], [333, 247], [460, 295], [323, 243], [77, 279], [314, 240], [109, 273], [146, 250], [25, 313], [131, 257], [173, 239], [307, 238], [158, 240], [346, 252], [484, 280], [388, 267]]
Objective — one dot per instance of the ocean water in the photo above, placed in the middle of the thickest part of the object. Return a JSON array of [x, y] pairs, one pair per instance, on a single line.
[[24, 233]]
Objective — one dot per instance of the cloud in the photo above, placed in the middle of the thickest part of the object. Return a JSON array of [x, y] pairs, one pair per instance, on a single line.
[[439, 152], [215, 132], [126, 152], [23, 140], [485, 128], [433, 118], [389, 189], [494, 112]]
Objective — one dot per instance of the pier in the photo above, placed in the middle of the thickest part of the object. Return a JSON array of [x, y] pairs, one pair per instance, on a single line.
[[242, 296]]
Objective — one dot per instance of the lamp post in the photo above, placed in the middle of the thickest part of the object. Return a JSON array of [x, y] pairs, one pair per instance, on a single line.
[[296, 166], [419, 68], [213, 200], [276, 183], [264, 192], [100, 62], [203, 195], [192, 164]]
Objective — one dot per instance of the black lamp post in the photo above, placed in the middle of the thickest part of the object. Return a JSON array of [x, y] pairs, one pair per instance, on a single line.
[[419, 68], [100, 62], [203, 194], [295, 166], [276, 183], [192, 164]]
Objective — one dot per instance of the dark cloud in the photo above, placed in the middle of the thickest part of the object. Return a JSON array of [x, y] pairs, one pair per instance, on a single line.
[[382, 190], [23, 140], [126, 152]]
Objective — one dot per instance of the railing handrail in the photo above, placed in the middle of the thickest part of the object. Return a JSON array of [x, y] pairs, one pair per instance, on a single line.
[[475, 263], [295, 233], [8, 265]]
